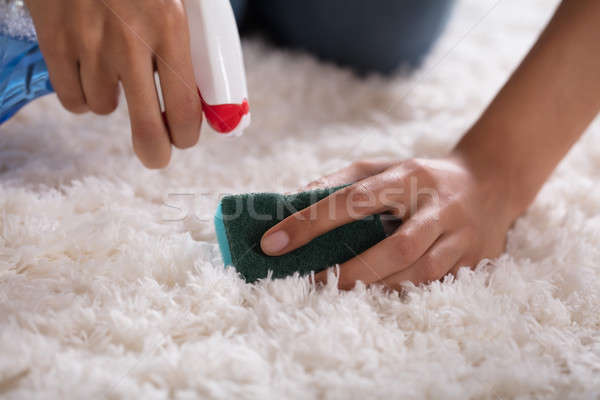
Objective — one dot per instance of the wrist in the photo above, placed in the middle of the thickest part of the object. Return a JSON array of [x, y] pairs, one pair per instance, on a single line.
[[501, 184]]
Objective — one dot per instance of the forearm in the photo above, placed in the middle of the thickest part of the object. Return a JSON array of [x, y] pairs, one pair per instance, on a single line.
[[544, 107]]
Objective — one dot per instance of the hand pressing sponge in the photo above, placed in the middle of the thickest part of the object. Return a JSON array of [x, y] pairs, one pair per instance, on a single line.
[[241, 220]]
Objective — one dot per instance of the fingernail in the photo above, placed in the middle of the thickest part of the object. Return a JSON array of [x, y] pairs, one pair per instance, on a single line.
[[275, 242]]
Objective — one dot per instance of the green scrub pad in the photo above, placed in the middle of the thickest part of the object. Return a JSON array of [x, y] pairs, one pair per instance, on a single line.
[[241, 220]]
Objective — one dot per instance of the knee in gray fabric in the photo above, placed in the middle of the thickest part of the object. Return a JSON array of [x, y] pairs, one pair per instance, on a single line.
[[369, 36], [239, 9]]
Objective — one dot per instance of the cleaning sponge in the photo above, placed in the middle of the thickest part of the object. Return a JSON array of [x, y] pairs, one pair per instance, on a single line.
[[241, 220]]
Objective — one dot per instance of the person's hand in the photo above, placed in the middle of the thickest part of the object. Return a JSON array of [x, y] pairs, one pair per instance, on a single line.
[[91, 45], [451, 216]]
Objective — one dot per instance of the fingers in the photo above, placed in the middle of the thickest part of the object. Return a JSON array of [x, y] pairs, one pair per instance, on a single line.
[[100, 85], [434, 264], [65, 78], [61, 58], [352, 173], [180, 94], [150, 138], [395, 253], [369, 196], [89, 46]]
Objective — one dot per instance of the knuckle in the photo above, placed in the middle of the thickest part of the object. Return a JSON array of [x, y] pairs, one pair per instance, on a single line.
[[305, 225], [131, 48], [411, 164], [417, 167], [308, 222], [89, 45], [130, 24], [359, 199], [371, 166], [361, 189], [59, 48], [131, 37], [60, 51], [172, 14], [360, 192]]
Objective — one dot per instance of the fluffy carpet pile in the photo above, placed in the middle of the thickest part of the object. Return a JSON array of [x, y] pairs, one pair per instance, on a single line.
[[111, 285]]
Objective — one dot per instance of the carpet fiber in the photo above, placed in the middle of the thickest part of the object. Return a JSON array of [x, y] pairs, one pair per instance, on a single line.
[[111, 285]]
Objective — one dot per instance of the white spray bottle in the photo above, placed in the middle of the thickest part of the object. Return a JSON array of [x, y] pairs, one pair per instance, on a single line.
[[218, 65], [216, 57]]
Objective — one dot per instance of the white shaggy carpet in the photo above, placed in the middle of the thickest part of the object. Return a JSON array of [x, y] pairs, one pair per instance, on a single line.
[[106, 293]]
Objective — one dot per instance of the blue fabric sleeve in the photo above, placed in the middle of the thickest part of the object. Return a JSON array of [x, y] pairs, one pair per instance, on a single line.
[[23, 75]]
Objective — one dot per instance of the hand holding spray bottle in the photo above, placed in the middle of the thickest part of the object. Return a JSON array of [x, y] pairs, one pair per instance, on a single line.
[[216, 57]]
